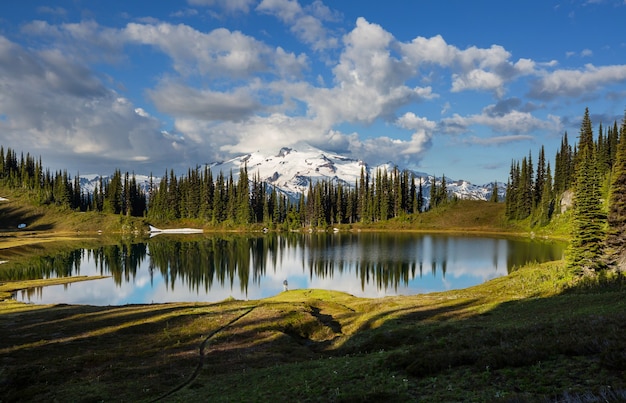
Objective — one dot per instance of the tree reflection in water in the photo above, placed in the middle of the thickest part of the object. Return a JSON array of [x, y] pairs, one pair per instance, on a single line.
[[384, 260]]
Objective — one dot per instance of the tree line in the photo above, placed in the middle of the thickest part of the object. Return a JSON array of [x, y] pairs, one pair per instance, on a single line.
[[250, 200], [222, 200], [593, 171], [120, 194]]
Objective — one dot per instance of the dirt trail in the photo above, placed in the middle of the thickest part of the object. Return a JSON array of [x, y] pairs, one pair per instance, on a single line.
[[196, 372]]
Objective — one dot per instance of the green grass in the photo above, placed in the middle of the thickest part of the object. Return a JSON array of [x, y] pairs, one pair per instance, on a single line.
[[540, 334], [458, 216], [462, 215], [52, 219]]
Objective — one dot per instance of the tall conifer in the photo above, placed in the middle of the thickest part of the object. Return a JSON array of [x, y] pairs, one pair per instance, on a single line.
[[586, 247], [616, 233]]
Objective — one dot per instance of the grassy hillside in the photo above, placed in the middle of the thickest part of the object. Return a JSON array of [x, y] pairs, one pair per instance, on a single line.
[[461, 215], [53, 223], [538, 334]]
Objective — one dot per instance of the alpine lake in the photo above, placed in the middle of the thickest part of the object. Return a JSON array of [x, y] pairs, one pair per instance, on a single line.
[[216, 267]]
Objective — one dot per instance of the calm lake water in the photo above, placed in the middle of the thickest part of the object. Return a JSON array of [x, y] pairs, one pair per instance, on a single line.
[[212, 268]]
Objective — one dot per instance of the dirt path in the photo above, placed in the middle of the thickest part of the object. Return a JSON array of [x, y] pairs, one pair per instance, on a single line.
[[201, 356]]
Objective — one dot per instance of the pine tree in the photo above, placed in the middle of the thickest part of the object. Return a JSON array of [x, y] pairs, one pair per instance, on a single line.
[[420, 197], [540, 177], [494, 192], [243, 197], [219, 200], [113, 194], [547, 203], [442, 196], [586, 248], [616, 233], [563, 167]]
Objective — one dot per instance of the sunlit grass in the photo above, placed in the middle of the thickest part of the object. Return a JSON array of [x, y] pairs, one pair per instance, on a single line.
[[541, 333], [538, 333]]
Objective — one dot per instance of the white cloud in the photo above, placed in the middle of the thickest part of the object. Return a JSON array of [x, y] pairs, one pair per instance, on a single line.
[[512, 121], [306, 23], [228, 5], [188, 12], [576, 83], [219, 53], [369, 82], [86, 41], [225, 91], [54, 105], [472, 69], [180, 100], [477, 80], [383, 149], [59, 11]]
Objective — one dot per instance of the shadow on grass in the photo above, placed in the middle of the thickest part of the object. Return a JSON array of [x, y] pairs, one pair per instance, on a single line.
[[65, 352], [534, 349], [570, 344], [13, 217]]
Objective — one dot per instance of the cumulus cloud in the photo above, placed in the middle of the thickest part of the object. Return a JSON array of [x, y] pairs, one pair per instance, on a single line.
[[265, 133], [226, 92], [306, 23], [473, 68], [58, 11], [181, 100], [369, 81], [509, 121], [219, 53], [383, 149], [85, 41], [422, 132], [497, 140], [55, 105], [576, 83]]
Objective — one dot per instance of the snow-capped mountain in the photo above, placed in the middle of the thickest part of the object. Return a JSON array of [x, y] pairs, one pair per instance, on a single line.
[[88, 183], [292, 170]]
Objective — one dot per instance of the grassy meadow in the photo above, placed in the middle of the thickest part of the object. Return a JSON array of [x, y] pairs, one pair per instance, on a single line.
[[538, 334]]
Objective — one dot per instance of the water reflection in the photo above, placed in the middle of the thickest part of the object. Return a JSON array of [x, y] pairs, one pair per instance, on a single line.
[[212, 268]]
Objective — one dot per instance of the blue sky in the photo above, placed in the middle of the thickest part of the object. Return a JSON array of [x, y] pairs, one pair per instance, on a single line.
[[445, 87]]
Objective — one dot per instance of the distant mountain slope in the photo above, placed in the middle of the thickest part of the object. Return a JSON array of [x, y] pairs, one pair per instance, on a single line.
[[292, 170]]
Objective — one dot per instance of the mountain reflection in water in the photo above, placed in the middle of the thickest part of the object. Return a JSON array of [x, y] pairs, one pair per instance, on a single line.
[[213, 268]]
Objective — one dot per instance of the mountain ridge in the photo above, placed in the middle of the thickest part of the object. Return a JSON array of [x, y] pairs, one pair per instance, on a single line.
[[293, 169]]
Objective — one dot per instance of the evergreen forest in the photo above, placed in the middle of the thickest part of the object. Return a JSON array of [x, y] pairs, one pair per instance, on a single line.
[[220, 200], [591, 173]]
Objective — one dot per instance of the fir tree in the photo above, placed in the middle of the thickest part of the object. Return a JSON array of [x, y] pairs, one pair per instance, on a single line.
[[243, 197], [494, 193], [616, 233], [586, 248]]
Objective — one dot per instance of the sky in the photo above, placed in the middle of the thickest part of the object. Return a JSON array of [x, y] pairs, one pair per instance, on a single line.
[[453, 88]]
